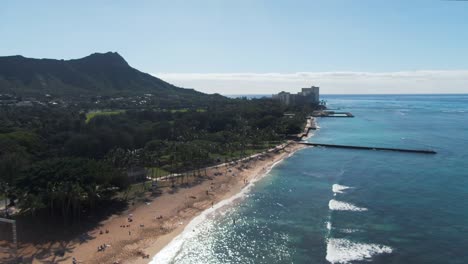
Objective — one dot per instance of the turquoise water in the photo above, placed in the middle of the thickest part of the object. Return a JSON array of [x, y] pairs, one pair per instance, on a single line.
[[326, 205]]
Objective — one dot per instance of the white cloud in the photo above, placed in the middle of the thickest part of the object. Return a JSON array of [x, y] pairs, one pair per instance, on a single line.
[[424, 81]]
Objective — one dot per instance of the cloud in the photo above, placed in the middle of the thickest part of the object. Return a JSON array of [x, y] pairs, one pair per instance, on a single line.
[[339, 82]]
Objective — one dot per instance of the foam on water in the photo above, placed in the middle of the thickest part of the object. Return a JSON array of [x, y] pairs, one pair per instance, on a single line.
[[453, 111], [335, 205], [345, 251], [336, 188], [348, 230], [170, 251]]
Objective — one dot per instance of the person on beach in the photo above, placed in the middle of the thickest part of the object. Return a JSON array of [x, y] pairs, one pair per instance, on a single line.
[[101, 248]]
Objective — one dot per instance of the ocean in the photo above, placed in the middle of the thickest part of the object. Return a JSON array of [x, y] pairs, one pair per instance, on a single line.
[[324, 205]]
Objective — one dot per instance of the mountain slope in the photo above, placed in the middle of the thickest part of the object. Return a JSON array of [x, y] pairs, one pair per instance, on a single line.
[[97, 74]]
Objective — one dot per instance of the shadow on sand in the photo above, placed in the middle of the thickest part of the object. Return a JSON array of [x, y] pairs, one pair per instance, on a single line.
[[47, 238]]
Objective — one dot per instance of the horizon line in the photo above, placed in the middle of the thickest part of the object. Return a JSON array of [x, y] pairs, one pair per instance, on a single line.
[[361, 93]]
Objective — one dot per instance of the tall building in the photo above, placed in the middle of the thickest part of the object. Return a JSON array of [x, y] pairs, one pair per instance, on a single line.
[[311, 94], [305, 96], [285, 98]]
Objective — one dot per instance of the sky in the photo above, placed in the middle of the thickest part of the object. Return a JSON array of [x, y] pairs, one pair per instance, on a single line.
[[257, 47]]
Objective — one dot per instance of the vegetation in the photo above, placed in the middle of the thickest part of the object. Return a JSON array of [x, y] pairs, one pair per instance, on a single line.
[[155, 172], [66, 161], [58, 157], [66, 185]]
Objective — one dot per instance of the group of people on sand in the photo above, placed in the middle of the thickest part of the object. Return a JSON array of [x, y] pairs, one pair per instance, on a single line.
[[103, 247], [144, 255]]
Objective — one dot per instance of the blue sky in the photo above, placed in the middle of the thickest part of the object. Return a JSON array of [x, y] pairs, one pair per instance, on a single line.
[[236, 46]]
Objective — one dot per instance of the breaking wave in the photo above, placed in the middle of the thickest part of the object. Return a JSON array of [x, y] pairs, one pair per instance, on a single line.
[[342, 206], [344, 251], [336, 188]]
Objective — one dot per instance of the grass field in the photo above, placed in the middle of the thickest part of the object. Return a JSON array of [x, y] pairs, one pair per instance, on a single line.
[[92, 114], [183, 110], [156, 172]]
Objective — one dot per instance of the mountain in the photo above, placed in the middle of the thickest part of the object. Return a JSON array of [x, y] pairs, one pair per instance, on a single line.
[[97, 74]]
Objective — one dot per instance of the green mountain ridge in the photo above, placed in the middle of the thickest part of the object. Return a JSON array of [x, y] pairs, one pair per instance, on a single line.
[[97, 74]]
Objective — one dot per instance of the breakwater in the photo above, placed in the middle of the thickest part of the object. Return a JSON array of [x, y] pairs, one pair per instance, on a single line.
[[311, 124], [323, 113], [422, 151]]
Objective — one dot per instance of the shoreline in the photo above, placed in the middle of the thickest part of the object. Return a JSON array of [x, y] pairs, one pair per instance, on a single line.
[[177, 238], [226, 199], [161, 219]]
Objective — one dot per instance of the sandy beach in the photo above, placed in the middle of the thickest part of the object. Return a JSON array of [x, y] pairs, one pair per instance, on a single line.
[[139, 233]]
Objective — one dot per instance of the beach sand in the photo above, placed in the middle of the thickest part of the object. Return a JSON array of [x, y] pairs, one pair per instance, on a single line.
[[148, 233]]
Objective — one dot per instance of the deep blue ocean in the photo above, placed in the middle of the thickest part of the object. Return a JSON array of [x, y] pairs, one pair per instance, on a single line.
[[325, 205]]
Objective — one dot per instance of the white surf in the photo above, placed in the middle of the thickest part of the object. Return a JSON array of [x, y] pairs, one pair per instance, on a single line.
[[336, 205], [345, 251]]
